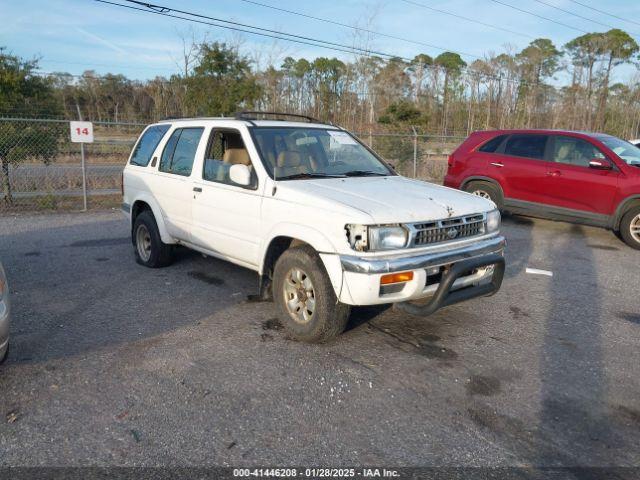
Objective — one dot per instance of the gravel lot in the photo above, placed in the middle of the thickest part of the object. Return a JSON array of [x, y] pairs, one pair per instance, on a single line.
[[115, 364]]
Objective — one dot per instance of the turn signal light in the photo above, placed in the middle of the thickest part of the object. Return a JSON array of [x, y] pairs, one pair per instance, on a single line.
[[396, 278]]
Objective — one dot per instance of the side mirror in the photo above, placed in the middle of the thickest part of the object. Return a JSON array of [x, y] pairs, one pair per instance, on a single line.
[[240, 174], [599, 164]]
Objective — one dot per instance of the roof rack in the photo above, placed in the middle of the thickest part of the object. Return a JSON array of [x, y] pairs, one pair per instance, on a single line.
[[253, 115]]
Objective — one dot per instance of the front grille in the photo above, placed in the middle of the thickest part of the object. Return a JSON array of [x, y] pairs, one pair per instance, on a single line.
[[448, 229]]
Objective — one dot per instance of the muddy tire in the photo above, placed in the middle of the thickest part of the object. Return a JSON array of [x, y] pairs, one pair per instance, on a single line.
[[486, 190], [630, 228], [147, 244], [305, 299]]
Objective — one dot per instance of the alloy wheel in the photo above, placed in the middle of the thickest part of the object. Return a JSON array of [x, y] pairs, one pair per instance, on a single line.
[[299, 295]]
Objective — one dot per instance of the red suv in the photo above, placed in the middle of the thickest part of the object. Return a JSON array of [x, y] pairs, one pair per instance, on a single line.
[[587, 178]]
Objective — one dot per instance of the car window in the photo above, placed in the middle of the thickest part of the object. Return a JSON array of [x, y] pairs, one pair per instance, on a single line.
[[147, 144], [180, 151], [297, 153], [492, 145], [528, 146], [225, 148], [624, 150], [574, 151]]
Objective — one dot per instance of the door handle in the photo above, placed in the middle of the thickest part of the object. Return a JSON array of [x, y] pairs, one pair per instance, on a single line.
[[554, 173], [197, 189], [497, 164]]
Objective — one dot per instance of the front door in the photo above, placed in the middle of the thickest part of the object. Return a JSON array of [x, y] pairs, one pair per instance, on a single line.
[[572, 184], [226, 216]]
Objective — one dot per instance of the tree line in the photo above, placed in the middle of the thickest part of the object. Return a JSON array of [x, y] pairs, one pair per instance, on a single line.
[[541, 86]]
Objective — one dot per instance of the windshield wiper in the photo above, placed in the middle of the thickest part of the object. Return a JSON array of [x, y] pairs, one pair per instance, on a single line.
[[364, 173], [298, 176]]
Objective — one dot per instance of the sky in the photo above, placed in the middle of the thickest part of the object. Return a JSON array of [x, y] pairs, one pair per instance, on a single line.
[[78, 35]]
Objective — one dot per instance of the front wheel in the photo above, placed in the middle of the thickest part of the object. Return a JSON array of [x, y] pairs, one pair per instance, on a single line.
[[630, 228], [307, 305]]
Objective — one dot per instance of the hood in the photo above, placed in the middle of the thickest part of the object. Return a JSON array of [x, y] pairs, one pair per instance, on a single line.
[[386, 199]]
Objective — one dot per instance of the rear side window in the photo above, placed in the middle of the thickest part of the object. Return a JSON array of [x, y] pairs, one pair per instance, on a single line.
[[492, 145], [180, 151], [528, 146], [147, 145]]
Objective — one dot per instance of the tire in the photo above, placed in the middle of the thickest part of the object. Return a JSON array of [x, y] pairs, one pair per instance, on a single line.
[[294, 270], [630, 228], [147, 244], [5, 355], [486, 190]]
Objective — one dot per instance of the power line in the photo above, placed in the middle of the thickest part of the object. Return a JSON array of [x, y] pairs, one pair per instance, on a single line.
[[382, 34], [422, 5], [604, 13], [578, 15], [164, 11], [538, 16], [168, 9]]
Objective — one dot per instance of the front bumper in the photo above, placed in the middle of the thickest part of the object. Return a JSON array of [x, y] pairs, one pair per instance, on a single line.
[[476, 269]]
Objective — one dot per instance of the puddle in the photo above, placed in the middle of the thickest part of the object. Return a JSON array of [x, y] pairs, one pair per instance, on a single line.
[[272, 324], [630, 317], [603, 247], [101, 242], [483, 385], [206, 277]]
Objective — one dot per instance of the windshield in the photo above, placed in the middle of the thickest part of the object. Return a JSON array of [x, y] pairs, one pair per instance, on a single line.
[[298, 153], [625, 150]]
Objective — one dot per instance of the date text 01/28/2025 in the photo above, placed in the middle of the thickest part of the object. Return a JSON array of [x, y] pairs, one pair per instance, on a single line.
[[316, 472]]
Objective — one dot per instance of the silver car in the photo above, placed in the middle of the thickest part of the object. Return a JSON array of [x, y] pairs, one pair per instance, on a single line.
[[5, 312]]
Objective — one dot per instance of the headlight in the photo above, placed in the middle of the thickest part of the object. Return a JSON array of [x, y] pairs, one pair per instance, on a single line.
[[387, 238], [493, 221]]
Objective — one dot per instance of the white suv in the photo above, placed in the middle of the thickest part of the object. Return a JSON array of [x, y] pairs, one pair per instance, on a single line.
[[321, 218]]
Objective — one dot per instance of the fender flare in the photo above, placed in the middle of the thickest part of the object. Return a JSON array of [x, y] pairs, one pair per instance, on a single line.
[[318, 241], [480, 178], [157, 213], [622, 208], [313, 237]]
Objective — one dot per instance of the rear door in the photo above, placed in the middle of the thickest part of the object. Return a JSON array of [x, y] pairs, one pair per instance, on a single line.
[[172, 186], [520, 166], [572, 184]]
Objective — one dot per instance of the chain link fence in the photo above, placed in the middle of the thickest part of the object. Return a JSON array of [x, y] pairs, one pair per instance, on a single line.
[[40, 169], [415, 155]]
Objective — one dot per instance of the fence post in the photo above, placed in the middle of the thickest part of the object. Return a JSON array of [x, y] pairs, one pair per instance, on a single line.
[[415, 152], [84, 178], [84, 168]]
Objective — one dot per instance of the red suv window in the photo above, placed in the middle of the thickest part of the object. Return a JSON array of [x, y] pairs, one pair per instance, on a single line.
[[528, 146], [492, 145]]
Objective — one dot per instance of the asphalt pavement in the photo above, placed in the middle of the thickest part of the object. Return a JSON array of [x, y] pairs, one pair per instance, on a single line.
[[115, 364]]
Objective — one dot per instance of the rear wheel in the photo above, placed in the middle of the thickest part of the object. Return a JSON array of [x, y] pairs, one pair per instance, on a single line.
[[485, 190], [630, 228], [307, 305], [149, 249]]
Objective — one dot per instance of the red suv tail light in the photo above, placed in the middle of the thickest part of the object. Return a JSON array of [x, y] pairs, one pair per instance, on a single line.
[[450, 160]]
